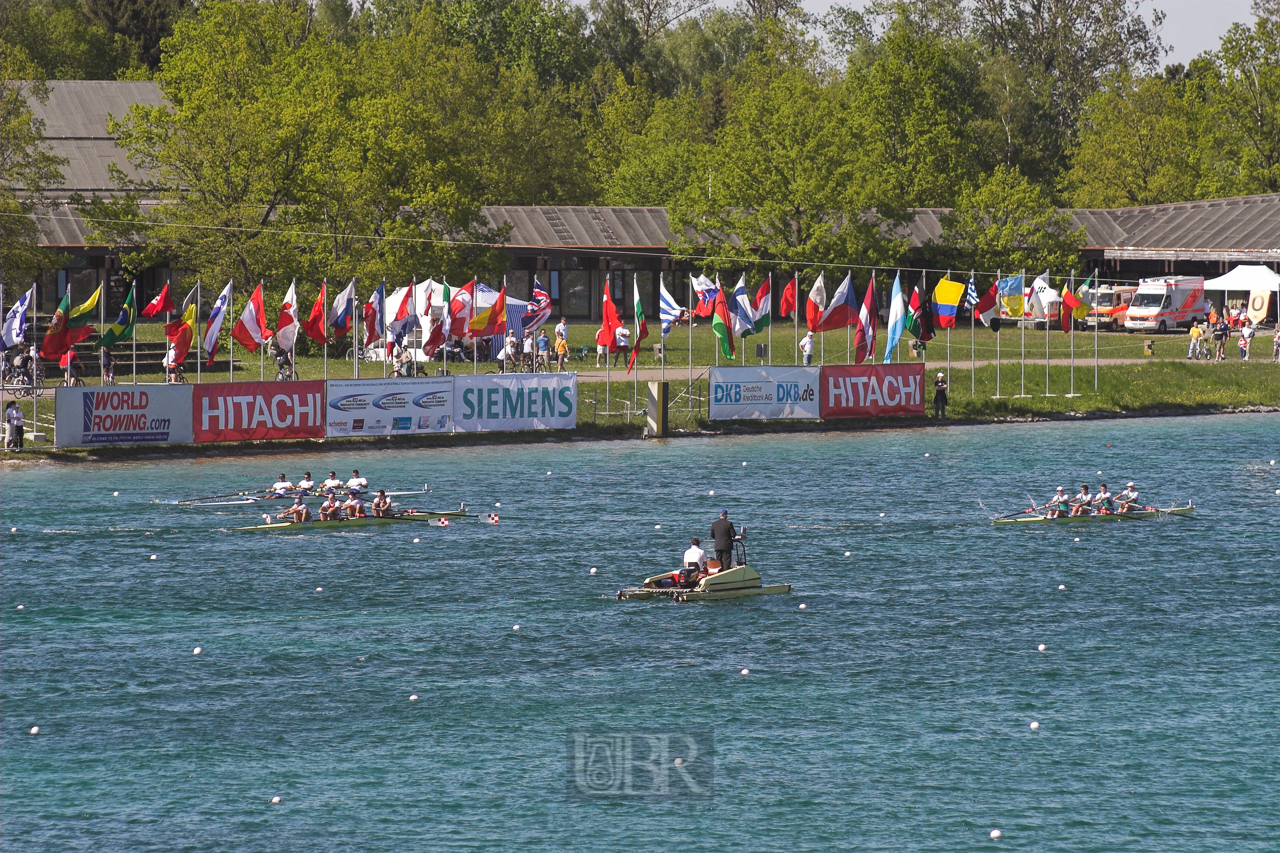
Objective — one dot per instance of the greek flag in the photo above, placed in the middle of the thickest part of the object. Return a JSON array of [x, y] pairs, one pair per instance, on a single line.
[[971, 295], [668, 310]]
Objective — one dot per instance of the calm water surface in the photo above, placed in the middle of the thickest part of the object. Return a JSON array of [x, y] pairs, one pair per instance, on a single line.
[[893, 712]]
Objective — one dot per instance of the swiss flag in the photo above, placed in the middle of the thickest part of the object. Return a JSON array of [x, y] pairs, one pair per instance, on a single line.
[[162, 304]]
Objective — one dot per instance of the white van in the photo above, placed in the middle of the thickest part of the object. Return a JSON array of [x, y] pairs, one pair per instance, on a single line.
[[1161, 304]]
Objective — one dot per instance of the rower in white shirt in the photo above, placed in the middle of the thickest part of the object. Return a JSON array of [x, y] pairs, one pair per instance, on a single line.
[[298, 513], [1128, 499], [306, 484], [331, 482], [353, 505], [281, 487], [1080, 503], [1103, 502], [331, 509], [357, 482]]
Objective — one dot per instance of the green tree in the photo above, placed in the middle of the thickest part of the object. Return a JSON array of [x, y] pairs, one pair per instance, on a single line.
[[64, 42], [1007, 223], [27, 169], [143, 22], [1246, 100], [667, 158]]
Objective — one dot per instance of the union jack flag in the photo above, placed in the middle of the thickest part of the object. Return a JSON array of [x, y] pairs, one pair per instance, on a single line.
[[539, 309], [706, 290]]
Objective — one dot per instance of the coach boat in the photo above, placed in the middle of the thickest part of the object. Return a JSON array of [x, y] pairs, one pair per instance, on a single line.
[[718, 584]]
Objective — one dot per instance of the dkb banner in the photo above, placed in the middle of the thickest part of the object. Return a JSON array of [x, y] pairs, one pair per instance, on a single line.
[[515, 401], [125, 414], [872, 390], [764, 392], [389, 406], [238, 411]]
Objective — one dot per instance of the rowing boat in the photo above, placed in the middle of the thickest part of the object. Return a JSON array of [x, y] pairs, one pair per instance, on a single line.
[[408, 515], [247, 498], [1136, 515]]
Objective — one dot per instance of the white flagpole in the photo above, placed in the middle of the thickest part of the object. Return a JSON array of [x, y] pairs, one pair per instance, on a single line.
[[231, 341], [1022, 329], [1046, 346], [1095, 338], [689, 393], [635, 380], [999, 309], [948, 277], [1072, 285], [973, 364], [297, 323], [444, 315], [134, 336], [475, 342], [848, 330], [324, 312], [795, 320], [355, 336], [199, 339], [770, 310], [662, 282], [35, 364]]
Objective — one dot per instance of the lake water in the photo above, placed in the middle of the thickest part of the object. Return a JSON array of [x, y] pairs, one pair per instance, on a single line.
[[893, 711]]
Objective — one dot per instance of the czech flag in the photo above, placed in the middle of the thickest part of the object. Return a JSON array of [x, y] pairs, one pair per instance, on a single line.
[[946, 302], [840, 312]]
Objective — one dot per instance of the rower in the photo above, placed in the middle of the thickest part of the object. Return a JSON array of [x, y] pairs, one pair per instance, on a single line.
[[1128, 498], [1059, 503], [1103, 501], [297, 513], [357, 482], [330, 510], [1080, 503], [280, 487], [332, 483], [381, 504], [353, 505], [306, 484]]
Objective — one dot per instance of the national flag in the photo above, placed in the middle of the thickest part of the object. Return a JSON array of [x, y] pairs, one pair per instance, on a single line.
[[251, 329], [720, 324], [1011, 296], [761, 316], [864, 339], [988, 304], [539, 309], [816, 304], [946, 302], [642, 327], [741, 309], [181, 333], [787, 303], [344, 309], [706, 290], [971, 297], [607, 334], [668, 309], [314, 324], [841, 311], [69, 326], [1074, 306], [406, 319], [919, 318], [287, 326], [492, 320], [213, 328], [897, 318], [460, 308], [1044, 299], [375, 315], [15, 322], [122, 328], [439, 331], [162, 304]]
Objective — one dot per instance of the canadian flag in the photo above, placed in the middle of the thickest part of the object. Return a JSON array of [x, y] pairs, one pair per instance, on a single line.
[[287, 328], [251, 329]]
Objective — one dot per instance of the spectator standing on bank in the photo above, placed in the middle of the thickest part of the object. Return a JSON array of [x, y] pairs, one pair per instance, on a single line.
[[806, 348], [1275, 343], [562, 329], [1221, 332], [1194, 349], [544, 351], [1246, 338], [940, 396], [562, 352], [623, 340], [14, 426]]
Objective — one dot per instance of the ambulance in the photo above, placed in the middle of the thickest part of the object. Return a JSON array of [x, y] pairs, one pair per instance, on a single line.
[[1109, 306], [1162, 304]]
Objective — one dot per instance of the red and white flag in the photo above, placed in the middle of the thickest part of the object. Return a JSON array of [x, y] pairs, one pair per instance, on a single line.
[[251, 329], [864, 339], [841, 311], [287, 328], [162, 304], [460, 309]]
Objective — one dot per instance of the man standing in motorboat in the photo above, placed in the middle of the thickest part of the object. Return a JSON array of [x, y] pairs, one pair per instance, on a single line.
[[723, 534]]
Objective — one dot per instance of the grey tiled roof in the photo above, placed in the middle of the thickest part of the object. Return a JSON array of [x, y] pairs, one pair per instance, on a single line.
[[583, 227]]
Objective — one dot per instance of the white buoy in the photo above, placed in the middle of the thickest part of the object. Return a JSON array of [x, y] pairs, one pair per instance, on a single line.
[[197, 650], [515, 627], [115, 494], [1278, 491], [680, 761], [848, 553], [13, 530], [1041, 647], [593, 571], [1099, 473], [413, 697], [1062, 586], [1273, 461], [35, 730], [319, 589], [498, 504], [802, 607], [926, 456], [746, 672], [416, 541], [548, 473], [712, 492], [1077, 538], [20, 607], [882, 515], [744, 465], [995, 833], [1035, 727], [153, 556], [657, 527], [275, 801]]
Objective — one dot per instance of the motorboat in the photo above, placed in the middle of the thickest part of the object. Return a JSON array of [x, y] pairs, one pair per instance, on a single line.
[[715, 583]]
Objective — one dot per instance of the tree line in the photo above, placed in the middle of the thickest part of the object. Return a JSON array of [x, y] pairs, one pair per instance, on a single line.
[[338, 139]]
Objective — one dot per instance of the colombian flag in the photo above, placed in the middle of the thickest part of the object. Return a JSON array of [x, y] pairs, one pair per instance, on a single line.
[[946, 302]]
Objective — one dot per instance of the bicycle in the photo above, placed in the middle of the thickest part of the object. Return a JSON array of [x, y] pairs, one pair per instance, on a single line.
[[176, 376], [73, 382]]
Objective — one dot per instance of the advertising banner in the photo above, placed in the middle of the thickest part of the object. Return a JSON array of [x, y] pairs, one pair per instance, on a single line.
[[764, 392], [389, 406], [253, 411], [515, 401], [872, 390], [124, 414]]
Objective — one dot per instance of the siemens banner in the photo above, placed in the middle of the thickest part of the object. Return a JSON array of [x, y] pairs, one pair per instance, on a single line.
[[124, 414], [872, 390], [515, 401], [389, 406], [242, 411], [764, 392]]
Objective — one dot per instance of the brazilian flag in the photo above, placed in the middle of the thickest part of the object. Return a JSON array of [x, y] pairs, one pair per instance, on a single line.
[[122, 328]]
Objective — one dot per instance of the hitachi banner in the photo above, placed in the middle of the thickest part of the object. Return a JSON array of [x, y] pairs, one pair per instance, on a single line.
[[872, 390], [124, 414], [237, 411], [764, 392], [389, 406], [515, 401]]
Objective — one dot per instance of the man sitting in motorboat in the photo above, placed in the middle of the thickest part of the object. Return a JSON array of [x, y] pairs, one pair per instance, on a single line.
[[693, 567], [297, 513]]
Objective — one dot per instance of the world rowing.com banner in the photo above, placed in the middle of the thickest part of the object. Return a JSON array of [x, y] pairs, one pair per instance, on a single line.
[[253, 411], [389, 406], [764, 392], [872, 390], [133, 414], [515, 401]]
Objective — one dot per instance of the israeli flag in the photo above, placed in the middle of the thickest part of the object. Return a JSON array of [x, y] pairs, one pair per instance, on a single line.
[[15, 322]]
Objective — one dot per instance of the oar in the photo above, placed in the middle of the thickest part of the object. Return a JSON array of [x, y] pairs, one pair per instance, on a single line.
[[1034, 508], [212, 497]]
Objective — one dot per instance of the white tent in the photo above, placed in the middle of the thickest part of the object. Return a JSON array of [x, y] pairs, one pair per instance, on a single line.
[[1254, 279]]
